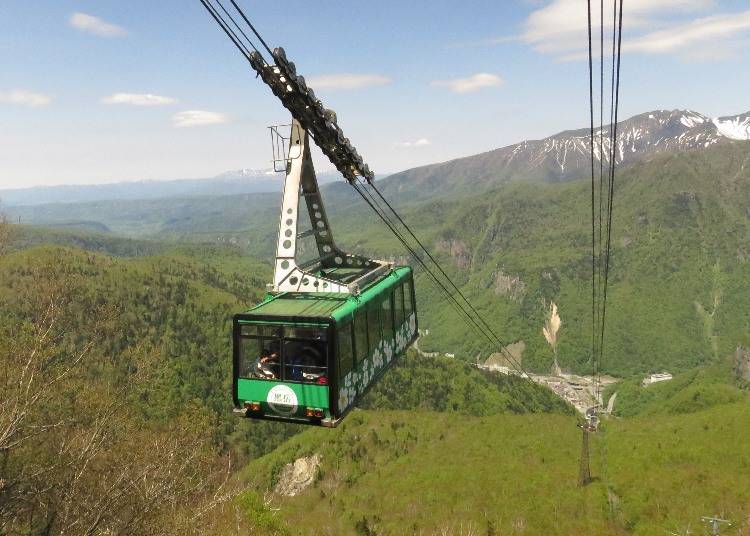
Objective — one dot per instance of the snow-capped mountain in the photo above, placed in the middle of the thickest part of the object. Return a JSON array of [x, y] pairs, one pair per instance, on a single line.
[[566, 155]]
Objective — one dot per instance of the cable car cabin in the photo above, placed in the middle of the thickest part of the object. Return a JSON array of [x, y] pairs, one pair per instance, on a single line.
[[309, 357]]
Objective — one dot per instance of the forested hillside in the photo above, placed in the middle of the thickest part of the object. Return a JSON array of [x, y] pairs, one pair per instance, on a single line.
[[679, 263], [115, 407]]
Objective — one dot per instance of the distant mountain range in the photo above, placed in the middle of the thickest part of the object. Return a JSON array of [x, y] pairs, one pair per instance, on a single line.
[[241, 181], [566, 156], [561, 157]]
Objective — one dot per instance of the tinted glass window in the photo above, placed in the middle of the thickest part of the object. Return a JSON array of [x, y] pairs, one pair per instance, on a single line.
[[398, 307], [260, 355], [305, 361], [301, 355], [408, 299], [346, 354], [249, 351], [386, 317], [311, 334], [360, 335], [373, 325], [251, 331]]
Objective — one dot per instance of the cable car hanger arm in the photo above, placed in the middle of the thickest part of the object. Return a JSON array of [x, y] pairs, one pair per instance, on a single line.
[[291, 89]]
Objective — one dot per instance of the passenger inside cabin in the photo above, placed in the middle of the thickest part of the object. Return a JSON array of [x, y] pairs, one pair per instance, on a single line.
[[267, 365], [305, 362]]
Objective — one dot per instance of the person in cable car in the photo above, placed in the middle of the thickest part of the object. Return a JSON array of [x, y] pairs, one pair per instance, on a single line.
[[313, 366], [267, 364], [306, 363]]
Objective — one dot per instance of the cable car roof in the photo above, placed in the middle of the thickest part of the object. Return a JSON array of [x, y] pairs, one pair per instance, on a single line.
[[322, 304]]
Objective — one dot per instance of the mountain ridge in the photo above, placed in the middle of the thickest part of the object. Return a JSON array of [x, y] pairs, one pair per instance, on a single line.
[[566, 155]]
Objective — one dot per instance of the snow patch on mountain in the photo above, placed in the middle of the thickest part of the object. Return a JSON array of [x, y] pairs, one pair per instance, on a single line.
[[735, 128], [691, 120]]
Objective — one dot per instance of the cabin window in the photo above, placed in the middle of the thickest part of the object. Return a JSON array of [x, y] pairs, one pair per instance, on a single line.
[[408, 299], [260, 352], [292, 353], [305, 355], [386, 317], [373, 325], [346, 352], [398, 307], [360, 335], [249, 349]]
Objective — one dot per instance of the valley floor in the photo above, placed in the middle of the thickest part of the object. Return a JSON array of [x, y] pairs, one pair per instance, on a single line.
[[580, 391]]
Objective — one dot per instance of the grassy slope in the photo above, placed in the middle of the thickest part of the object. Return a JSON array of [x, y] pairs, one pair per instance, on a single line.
[[399, 472], [668, 470], [426, 471], [688, 392]]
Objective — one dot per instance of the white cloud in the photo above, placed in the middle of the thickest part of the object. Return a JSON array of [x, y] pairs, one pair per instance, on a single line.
[[471, 83], [195, 118], [347, 81], [421, 142], [24, 97], [560, 28], [138, 99], [677, 38], [96, 26]]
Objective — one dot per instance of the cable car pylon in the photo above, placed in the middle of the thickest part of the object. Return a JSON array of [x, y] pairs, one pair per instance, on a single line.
[[290, 273], [584, 471]]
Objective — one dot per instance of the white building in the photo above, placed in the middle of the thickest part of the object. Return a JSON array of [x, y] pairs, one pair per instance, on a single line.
[[656, 378]]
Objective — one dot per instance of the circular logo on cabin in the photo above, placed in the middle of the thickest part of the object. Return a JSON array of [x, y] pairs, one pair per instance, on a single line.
[[282, 399]]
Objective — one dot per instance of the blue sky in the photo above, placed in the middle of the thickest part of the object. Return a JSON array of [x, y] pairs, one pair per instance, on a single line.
[[412, 82]]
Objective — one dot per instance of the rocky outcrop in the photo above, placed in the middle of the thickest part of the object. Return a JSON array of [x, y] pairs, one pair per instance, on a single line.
[[295, 477], [500, 361], [511, 287], [457, 249]]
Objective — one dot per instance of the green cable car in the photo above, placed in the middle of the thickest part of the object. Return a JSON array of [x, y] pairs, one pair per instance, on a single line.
[[331, 324], [308, 357]]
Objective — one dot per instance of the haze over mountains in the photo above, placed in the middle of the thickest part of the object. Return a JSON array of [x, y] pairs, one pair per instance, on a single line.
[[561, 157], [240, 181]]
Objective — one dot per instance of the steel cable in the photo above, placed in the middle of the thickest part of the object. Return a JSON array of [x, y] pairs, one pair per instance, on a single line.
[[457, 306], [611, 192], [447, 277]]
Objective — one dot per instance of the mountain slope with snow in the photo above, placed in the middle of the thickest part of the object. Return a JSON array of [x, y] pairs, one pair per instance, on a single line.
[[566, 156]]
